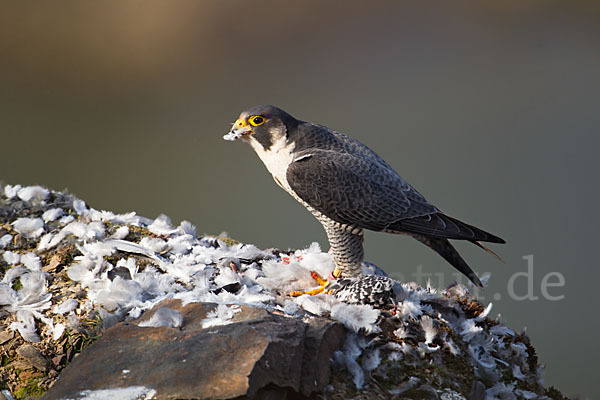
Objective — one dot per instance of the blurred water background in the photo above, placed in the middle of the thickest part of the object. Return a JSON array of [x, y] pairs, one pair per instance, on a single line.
[[490, 109]]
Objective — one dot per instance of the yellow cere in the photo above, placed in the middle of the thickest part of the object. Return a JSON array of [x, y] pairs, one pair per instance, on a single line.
[[240, 123]]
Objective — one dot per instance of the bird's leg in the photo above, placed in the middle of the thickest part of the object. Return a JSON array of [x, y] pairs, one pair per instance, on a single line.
[[347, 250], [336, 274]]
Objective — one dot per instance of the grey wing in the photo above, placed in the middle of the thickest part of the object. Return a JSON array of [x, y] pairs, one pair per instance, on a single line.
[[360, 148], [355, 190]]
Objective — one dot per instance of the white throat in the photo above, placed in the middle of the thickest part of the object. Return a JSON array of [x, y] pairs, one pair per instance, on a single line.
[[277, 159]]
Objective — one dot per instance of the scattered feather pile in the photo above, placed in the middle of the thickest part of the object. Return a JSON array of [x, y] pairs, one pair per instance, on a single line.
[[64, 266]]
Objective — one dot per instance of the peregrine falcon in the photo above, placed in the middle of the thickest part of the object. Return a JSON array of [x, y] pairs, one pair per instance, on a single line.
[[349, 188]]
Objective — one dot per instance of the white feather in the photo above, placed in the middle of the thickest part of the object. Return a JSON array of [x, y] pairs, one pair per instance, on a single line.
[[501, 330], [80, 207], [29, 227], [13, 274], [120, 233], [401, 333], [58, 331], [52, 214], [25, 325], [485, 312], [290, 307], [356, 316], [156, 245], [469, 329], [286, 277], [119, 293], [526, 394], [371, 359], [5, 240], [93, 230], [11, 257], [31, 261], [11, 191], [226, 277], [428, 328], [517, 372], [347, 356], [317, 305], [7, 295], [181, 244], [65, 307], [164, 317], [50, 240], [453, 347], [501, 391], [187, 228], [410, 309], [162, 226], [126, 393], [66, 220], [30, 193], [222, 315]]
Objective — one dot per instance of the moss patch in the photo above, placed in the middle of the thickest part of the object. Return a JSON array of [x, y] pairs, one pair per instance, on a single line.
[[31, 388]]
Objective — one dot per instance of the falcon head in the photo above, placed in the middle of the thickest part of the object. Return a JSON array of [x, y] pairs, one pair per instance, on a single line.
[[265, 124]]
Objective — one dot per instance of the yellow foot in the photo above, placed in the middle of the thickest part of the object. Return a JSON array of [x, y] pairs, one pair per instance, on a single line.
[[312, 292], [318, 278], [323, 283]]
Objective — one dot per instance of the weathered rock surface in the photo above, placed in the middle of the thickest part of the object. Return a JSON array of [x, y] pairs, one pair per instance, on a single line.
[[5, 336], [258, 354], [33, 356]]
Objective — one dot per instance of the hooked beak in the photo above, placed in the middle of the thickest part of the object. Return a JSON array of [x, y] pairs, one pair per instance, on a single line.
[[239, 129]]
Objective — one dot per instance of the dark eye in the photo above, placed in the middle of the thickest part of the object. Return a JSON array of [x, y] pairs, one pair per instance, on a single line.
[[256, 120]]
